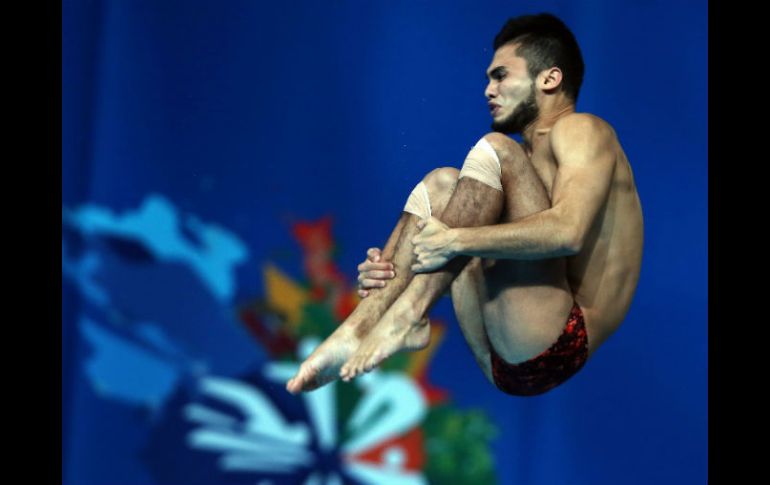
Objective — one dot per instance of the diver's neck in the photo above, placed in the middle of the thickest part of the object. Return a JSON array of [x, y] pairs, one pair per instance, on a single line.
[[534, 133]]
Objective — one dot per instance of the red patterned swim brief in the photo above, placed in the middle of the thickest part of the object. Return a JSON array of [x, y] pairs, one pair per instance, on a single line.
[[549, 369]]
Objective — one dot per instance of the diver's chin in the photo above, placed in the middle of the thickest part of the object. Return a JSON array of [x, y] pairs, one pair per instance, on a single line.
[[497, 127], [517, 121], [505, 125]]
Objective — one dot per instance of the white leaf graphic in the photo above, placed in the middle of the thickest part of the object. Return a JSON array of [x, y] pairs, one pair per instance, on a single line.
[[263, 441]]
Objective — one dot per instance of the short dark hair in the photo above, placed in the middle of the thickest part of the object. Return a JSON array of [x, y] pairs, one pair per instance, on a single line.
[[545, 42]]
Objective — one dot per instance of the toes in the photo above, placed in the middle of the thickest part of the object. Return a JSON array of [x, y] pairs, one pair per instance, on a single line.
[[355, 366], [352, 369], [292, 385], [298, 382], [351, 374], [344, 371], [348, 370], [372, 361], [360, 366], [369, 362]]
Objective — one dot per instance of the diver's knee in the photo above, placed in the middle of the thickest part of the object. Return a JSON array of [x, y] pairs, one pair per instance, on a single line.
[[441, 180], [483, 163], [505, 146], [430, 196], [513, 159]]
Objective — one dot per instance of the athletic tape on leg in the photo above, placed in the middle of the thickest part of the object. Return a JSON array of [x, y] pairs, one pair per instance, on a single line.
[[483, 165], [418, 202]]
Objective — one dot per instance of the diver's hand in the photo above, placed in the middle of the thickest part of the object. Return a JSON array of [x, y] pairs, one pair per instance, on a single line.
[[374, 272], [433, 245]]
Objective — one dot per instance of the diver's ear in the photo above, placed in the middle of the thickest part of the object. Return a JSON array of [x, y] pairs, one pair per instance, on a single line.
[[549, 79]]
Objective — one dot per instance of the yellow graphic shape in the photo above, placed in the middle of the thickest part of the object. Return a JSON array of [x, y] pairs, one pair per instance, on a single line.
[[284, 295], [418, 360]]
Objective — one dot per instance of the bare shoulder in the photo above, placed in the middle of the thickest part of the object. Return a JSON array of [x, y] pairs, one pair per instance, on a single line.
[[581, 124], [585, 131]]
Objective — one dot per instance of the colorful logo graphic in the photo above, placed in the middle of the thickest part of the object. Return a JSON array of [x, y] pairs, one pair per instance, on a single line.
[[163, 337]]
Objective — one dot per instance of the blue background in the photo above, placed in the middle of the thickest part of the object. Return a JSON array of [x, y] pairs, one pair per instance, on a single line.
[[256, 114]]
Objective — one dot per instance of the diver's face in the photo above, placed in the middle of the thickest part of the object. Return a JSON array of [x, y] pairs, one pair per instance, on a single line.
[[510, 92]]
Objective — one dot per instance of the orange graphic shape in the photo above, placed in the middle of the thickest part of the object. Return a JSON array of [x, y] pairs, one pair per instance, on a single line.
[[284, 295]]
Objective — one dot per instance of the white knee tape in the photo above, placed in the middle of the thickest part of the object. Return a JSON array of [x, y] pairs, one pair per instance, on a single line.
[[418, 202], [483, 165]]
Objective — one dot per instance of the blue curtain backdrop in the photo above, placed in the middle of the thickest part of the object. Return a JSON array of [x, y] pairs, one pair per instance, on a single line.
[[227, 164]]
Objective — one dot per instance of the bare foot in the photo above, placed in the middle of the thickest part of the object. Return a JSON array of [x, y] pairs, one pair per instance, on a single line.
[[322, 366], [397, 330]]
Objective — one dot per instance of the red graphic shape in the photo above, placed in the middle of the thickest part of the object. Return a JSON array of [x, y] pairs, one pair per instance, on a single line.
[[276, 342], [411, 443]]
